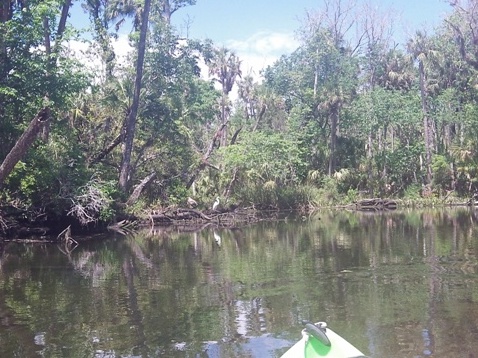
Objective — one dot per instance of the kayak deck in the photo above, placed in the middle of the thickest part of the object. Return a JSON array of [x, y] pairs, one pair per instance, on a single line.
[[321, 341]]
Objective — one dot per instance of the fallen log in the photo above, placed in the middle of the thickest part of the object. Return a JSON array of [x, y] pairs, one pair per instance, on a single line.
[[375, 204]]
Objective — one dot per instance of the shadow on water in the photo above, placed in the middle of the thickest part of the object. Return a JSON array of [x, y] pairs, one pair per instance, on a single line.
[[399, 284]]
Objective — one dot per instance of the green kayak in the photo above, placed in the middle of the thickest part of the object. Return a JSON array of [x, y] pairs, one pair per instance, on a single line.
[[320, 341]]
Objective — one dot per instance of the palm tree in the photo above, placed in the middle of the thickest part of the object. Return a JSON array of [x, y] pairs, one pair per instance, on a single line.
[[246, 92], [118, 10], [224, 67], [420, 50]]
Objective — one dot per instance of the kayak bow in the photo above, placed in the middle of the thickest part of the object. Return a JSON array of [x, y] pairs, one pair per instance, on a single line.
[[320, 341]]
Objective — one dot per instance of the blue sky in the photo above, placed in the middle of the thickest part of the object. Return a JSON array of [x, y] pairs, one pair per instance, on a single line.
[[223, 20], [259, 31]]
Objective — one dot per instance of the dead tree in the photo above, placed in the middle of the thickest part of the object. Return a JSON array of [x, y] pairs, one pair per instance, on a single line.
[[205, 158]]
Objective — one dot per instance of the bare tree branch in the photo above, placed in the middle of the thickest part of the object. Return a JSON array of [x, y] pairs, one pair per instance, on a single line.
[[205, 158]]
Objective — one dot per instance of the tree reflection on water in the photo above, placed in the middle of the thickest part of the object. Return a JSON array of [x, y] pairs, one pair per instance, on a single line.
[[396, 284]]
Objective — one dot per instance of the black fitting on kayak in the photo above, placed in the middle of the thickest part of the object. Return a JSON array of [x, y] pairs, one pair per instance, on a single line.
[[318, 331]]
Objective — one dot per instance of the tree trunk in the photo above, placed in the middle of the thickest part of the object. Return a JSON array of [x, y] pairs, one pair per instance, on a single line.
[[4, 16], [65, 10], [53, 53], [166, 12], [5, 10], [235, 135], [131, 120], [224, 99], [259, 117], [334, 119], [25, 142], [104, 41], [426, 124], [316, 73], [46, 35], [139, 189], [114, 143]]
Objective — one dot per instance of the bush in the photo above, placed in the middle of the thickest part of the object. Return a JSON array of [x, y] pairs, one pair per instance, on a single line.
[[270, 196], [442, 173], [328, 194], [413, 192], [93, 202]]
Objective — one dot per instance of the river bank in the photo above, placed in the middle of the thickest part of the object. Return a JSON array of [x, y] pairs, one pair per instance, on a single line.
[[16, 225]]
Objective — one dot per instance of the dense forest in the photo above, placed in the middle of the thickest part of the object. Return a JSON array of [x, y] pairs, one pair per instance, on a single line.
[[349, 114]]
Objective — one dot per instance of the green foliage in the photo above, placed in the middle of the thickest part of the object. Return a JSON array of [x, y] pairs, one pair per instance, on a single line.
[[30, 78], [176, 193], [298, 198], [413, 192], [260, 157], [442, 173], [328, 122], [328, 193], [273, 197], [24, 182], [139, 207], [352, 195], [47, 176]]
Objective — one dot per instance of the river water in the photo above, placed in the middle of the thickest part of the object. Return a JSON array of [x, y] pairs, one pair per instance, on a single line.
[[395, 284]]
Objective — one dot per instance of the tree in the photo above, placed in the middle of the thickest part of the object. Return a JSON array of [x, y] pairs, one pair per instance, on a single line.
[[335, 70], [420, 50], [100, 18], [464, 22], [33, 74], [125, 169], [225, 67], [246, 93], [169, 7], [27, 73]]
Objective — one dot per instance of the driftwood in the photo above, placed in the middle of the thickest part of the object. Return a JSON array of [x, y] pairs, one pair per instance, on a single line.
[[169, 216], [376, 204], [24, 143]]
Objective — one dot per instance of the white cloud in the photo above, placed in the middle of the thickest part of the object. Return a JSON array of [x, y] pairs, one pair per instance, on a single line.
[[262, 49], [90, 57], [122, 48], [266, 42]]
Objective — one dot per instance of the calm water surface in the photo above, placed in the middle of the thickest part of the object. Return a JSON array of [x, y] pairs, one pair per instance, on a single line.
[[401, 284]]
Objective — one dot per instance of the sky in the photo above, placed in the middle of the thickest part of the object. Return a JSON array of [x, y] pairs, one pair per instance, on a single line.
[[260, 31]]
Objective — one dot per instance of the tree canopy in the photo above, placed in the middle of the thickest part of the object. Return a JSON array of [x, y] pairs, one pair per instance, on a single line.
[[349, 111]]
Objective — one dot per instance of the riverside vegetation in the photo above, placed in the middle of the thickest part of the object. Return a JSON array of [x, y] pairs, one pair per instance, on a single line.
[[349, 114]]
